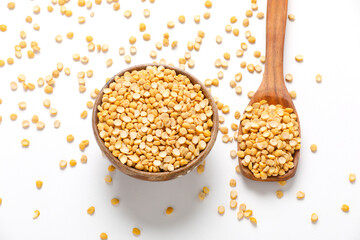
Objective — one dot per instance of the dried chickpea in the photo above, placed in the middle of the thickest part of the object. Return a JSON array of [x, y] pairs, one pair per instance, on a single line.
[[36, 214], [233, 204], [70, 35], [115, 201], [225, 109], [11, 5], [300, 195], [227, 56], [174, 44], [70, 138], [240, 215], [53, 112], [236, 32], [109, 62], [282, 183], [239, 53], [299, 58], [252, 39], [233, 194], [25, 143], [63, 164], [291, 17], [142, 27], [72, 163], [111, 168], [250, 67], [248, 213], [22, 105], [318, 78], [248, 13], [238, 90], [35, 119], [197, 18], [221, 210], [352, 177], [232, 183], [83, 159], [91, 210], [206, 15], [116, 6], [206, 190], [10, 61], [314, 217], [313, 148], [103, 236], [57, 124], [218, 39], [181, 18], [132, 40], [36, 27], [200, 169], [81, 20], [25, 124], [170, 24], [246, 22], [292, 94], [345, 208], [228, 28], [39, 184], [28, 19], [3, 28], [36, 9], [40, 125], [254, 6], [48, 89], [169, 210], [83, 114], [260, 15], [136, 231], [13, 117], [208, 4], [191, 64], [201, 195], [146, 13], [289, 77], [153, 54]]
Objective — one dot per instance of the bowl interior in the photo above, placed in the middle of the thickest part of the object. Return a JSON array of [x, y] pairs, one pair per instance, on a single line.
[[159, 176]]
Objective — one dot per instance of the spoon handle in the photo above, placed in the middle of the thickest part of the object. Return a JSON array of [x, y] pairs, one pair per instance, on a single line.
[[275, 35]]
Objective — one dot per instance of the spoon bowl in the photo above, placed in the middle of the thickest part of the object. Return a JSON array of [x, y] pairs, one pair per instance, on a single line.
[[158, 176], [272, 88]]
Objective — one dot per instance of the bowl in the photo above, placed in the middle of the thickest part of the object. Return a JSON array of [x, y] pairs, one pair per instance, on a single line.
[[158, 176]]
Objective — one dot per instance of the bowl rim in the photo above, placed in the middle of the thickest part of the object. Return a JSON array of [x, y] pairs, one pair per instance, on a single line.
[[158, 176]]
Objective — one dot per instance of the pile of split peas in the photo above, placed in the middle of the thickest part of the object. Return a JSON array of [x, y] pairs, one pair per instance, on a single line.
[[46, 85], [154, 119]]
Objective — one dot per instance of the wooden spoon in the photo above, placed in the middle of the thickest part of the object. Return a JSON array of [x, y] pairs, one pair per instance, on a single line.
[[272, 88]]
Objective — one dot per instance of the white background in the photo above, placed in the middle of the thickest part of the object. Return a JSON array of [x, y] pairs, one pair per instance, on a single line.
[[325, 32]]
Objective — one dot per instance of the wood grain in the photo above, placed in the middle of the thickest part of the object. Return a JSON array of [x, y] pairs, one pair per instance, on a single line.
[[160, 176], [272, 87]]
